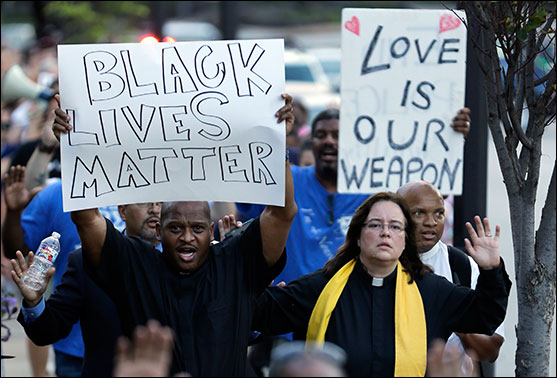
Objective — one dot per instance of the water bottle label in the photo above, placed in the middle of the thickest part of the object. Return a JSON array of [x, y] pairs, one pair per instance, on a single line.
[[47, 252]]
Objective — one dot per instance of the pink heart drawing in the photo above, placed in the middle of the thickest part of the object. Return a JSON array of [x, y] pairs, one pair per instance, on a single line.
[[353, 25], [448, 22]]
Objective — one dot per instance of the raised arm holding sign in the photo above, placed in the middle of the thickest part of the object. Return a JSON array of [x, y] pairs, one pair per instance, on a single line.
[[204, 292], [147, 119]]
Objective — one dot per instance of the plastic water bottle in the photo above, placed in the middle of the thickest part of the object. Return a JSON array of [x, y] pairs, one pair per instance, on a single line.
[[44, 258]]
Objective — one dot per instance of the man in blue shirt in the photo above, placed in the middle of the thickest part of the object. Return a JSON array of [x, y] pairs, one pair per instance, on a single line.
[[323, 216]]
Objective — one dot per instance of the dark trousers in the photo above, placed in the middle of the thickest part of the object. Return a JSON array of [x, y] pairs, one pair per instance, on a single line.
[[67, 366]]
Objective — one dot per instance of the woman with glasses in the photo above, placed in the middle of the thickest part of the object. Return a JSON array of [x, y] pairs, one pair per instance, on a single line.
[[379, 302]]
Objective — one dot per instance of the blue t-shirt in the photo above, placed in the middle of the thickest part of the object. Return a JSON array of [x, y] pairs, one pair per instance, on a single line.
[[320, 226], [40, 218]]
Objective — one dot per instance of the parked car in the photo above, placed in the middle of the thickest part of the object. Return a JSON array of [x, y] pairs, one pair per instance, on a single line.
[[307, 82], [330, 58], [183, 30]]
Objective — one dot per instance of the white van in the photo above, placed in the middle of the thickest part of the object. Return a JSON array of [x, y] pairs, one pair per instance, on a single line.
[[182, 30]]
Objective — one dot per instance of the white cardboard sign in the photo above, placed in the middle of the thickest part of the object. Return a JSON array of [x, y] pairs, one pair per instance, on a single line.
[[172, 121], [403, 80]]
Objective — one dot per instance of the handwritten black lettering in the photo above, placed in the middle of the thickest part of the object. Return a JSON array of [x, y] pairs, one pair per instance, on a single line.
[[424, 57], [395, 169], [403, 146], [410, 171], [134, 88], [159, 156], [85, 178], [129, 172], [444, 50], [424, 95], [405, 47], [175, 74], [375, 170], [102, 83], [258, 152], [216, 122], [179, 130], [197, 163], [450, 174], [244, 76], [357, 132], [107, 119], [227, 164], [430, 167], [353, 175], [141, 128], [366, 69], [420, 92], [208, 81], [76, 137], [438, 133]]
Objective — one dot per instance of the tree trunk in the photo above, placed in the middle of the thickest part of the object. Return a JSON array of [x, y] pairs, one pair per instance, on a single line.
[[536, 296], [536, 302]]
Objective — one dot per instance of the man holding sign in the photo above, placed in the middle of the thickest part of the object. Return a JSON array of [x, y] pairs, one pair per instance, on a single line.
[[204, 292]]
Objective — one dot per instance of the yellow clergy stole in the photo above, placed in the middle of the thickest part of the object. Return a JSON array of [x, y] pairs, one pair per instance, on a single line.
[[410, 326]]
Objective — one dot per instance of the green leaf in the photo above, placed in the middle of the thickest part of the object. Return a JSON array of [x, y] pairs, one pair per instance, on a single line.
[[522, 35]]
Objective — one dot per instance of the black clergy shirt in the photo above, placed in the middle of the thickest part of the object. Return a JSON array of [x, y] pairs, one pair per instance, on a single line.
[[210, 310], [362, 322]]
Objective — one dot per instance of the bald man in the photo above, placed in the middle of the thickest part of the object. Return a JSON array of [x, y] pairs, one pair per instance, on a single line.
[[428, 212]]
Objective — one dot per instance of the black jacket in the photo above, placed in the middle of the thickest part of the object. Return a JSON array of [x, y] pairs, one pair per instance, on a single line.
[[78, 298]]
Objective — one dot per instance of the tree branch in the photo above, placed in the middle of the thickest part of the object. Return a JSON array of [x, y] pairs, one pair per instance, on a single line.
[[545, 236], [548, 24]]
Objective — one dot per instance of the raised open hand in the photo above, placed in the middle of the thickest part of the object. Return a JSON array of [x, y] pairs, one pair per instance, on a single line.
[[17, 197], [148, 355], [227, 224], [286, 113], [19, 268], [484, 247]]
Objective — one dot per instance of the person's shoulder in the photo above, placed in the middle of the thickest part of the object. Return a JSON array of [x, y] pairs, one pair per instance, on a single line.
[[49, 199], [315, 278], [53, 187], [234, 236], [432, 280], [298, 171], [75, 256]]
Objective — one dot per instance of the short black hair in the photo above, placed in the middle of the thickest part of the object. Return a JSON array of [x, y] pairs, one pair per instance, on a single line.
[[324, 115], [167, 206]]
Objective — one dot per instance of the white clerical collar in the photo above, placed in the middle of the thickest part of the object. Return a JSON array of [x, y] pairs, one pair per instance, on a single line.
[[437, 248], [377, 282]]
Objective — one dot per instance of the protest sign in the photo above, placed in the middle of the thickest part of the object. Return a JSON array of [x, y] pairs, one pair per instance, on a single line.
[[403, 80], [172, 121]]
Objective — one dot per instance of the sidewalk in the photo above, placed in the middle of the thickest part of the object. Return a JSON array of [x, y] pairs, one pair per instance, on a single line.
[[16, 346]]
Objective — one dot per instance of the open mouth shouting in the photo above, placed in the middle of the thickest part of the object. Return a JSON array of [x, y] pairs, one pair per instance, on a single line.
[[187, 253]]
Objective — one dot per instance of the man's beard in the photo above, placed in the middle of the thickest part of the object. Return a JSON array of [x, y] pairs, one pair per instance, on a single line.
[[149, 235], [328, 172]]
